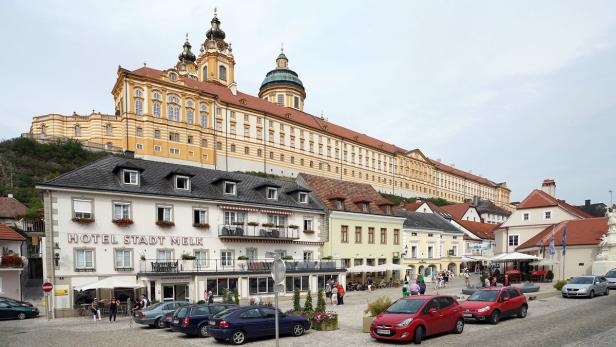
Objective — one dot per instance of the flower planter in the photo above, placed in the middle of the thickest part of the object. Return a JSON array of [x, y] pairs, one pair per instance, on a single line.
[[201, 225], [165, 224], [367, 321], [308, 231], [326, 325], [83, 220], [122, 222]]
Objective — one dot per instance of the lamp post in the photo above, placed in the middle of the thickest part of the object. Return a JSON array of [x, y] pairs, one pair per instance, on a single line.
[[56, 256]]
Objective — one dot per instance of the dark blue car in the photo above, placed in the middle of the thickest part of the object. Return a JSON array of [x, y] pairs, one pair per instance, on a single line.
[[193, 319], [253, 321]]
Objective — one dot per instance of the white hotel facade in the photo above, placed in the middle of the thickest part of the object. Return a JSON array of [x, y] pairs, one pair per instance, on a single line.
[[174, 232]]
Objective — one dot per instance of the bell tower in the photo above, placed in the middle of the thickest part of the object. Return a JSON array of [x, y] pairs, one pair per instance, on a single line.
[[186, 61], [216, 62], [282, 85]]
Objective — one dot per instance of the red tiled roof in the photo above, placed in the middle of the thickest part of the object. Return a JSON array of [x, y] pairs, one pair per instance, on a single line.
[[457, 211], [412, 206], [539, 198], [7, 233], [481, 230], [11, 208], [461, 173], [579, 232], [324, 188]]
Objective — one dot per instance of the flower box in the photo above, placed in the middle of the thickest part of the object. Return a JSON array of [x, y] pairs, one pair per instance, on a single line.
[[83, 220], [253, 224], [308, 231], [324, 321], [292, 226], [280, 226], [11, 261], [237, 223], [122, 222], [267, 225], [201, 225], [165, 224]]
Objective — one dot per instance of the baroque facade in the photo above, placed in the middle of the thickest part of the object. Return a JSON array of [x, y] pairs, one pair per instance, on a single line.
[[194, 114]]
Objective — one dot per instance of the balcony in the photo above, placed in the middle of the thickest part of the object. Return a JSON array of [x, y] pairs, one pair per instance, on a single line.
[[257, 266], [257, 232]]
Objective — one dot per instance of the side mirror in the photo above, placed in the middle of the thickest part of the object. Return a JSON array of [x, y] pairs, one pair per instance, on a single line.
[[432, 311], [505, 299]]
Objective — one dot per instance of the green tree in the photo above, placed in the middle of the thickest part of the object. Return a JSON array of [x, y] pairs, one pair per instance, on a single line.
[[308, 303], [320, 301], [236, 297], [296, 305]]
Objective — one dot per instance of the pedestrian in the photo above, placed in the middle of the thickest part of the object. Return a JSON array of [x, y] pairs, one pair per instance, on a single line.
[[467, 278], [422, 288], [506, 281], [405, 289], [328, 290], [420, 278], [144, 302], [414, 288], [334, 295], [210, 297], [486, 282], [113, 309], [340, 294], [96, 309], [370, 283]]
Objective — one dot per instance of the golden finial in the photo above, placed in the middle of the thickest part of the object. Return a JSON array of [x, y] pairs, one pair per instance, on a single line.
[[186, 37], [215, 11]]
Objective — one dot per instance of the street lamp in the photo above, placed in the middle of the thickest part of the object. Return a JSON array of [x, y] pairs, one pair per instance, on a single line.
[[56, 256]]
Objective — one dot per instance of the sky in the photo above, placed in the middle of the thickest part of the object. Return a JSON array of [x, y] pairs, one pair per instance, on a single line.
[[516, 91]]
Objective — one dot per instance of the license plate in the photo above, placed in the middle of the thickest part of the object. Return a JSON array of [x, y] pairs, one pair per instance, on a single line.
[[212, 322], [382, 332], [468, 315], [175, 321]]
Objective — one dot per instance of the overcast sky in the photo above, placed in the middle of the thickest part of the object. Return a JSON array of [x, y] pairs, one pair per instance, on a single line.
[[516, 92]]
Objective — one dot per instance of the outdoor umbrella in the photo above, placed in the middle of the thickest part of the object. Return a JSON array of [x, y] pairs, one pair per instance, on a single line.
[[362, 268], [513, 256]]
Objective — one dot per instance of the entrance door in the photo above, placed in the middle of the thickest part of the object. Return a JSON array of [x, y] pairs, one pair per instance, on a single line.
[[175, 292]]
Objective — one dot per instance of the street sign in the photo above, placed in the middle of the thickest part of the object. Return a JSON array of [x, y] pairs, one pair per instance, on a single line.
[[279, 270], [47, 287], [279, 288]]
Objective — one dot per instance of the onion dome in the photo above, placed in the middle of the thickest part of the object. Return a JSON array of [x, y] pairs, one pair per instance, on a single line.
[[282, 75], [215, 33], [187, 55]]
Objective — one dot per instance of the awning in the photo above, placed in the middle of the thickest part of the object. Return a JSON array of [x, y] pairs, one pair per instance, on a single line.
[[512, 256], [238, 208], [395, 267], [114, 282], [472, 258], [363, 268]]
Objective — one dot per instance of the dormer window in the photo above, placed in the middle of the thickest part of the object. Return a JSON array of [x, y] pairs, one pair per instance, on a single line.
[[230, 188], [173, 76], [130, 177], [182, 182], [364, 206], [338, 203], [302, 198], [388, 209], [272, 193]]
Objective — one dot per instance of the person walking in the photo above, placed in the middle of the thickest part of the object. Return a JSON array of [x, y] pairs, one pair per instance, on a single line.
[[414, 288], [96, 309], [210, 297], [340, 294], [405, 289], [328, 290], [113, 309], [370, 283], [143, 303], [467, 278], [422, 288], [334, 295], [506, 282], [486, 282]]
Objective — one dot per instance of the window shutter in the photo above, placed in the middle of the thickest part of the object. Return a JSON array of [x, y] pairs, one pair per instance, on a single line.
[[84, 206]]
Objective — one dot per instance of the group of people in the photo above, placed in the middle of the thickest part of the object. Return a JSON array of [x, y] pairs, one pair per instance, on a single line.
[[96, 307], [491, 281], [417, 287], [442, 278], [334, 289]]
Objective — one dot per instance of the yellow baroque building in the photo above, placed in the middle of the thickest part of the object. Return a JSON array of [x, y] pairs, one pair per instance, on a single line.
[[194, 114]]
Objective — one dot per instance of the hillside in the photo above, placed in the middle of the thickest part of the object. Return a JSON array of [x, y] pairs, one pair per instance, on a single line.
[[25, 162]]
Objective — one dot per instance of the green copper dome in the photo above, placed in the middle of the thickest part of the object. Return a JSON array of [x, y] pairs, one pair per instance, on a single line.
[[282, 77]]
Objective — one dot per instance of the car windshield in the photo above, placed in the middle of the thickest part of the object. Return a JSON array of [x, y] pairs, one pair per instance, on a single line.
[[182, 312], [153, 306], [405, 306], [611, 274], [224, 312], [484, 295], [581, 280]]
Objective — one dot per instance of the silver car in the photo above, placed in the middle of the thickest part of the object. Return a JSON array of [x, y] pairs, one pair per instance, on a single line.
[[153, 315], [611, 279], [587, 286]]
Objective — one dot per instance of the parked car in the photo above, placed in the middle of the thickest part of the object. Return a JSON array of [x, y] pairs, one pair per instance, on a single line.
[[193, 320], [587, 286], [154, 315], [611, 279], [238, 325], [168, 317], [11, 309], [414, 317], [493, 303], [15, 302]]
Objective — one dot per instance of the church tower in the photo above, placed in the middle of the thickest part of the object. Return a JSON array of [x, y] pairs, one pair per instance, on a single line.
[[283, 86], [186, 61], [216, 62]]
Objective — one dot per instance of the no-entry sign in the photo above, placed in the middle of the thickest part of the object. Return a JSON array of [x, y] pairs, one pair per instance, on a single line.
[[47, 287]]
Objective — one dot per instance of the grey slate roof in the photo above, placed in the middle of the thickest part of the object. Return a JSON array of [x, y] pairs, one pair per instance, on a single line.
[[431, 221], [487, 206], [103, 175]]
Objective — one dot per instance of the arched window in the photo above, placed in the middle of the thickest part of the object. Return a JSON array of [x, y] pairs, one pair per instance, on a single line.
[[138, 106], [204, 71], [189, 103], [156, 96], [43, 129], [190, 116], [203, 107], [77, 130], [222, 72], [173, 108], [109, 130], [203, 119], [156, 109], [138, 93]]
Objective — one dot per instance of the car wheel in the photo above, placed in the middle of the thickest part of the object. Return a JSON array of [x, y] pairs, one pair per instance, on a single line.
[[238, 337], [159, 323], [203, 331], [298, 330], [418, 336], [459, 328], [494, 317], [591, 294], [21, 316], [607, 291], [523, 311]]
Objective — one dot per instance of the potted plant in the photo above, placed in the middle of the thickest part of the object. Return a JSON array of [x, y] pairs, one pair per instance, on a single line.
[[267, 225], [327, 257], [308, 231], [324, 320], [293, 226], [242, 261], [287, 257], [237, 223], [122, 222], [201, 225], [79, 220], [165, 223], [253, 224], [373, 309]]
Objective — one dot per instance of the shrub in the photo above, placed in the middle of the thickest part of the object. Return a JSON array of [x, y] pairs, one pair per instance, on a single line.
[[308, 303], [186, 256], [200, 302], [236, 297], [560, 284], [320, 301], [549, 276], [287, 257], [327, 257], [296, 306], [224, 295], [378, 306], [242, 257]]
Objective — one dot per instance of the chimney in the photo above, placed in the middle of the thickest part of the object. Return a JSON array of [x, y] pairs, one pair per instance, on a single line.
[[129, 154], [587, 203], [475, 200], [549, 186]]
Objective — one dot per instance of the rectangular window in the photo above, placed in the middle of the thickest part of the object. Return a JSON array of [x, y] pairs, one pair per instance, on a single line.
[[84, 259], [252, 253], [82, 209], [139, 132], [308, 255], [219, 146], [272, 193], [308, 221], [396, 236], [526, 216], [123, 259], [156, 148], [303, 198], [280, 99], [259, 152], [357, 234], [383, 236], [199, 216], [164, 255], [121, 210], [230, 188], [174, 151], [296, 102], [182, 182], [454, 249], [548, 214], [226, 258], [174, 137], [157, 134], [139, 146], [277, 220], [260, 285], [201, 258], [370, 235], [232, 148], [247, 150], [130, 177], [164, 214], [430, 251], [513, 240], [231, 217], [189, 139], [413, 251], [344, 234], [297, 282]]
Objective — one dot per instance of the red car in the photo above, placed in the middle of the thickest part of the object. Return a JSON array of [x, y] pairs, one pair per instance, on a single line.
[[414, 317], [493, 303]]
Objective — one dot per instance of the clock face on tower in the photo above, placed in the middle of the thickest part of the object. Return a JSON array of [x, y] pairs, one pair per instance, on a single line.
[[221, 46]]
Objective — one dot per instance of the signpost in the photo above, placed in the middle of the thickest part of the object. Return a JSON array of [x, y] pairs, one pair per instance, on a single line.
[[279, 270], [47, 288]]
